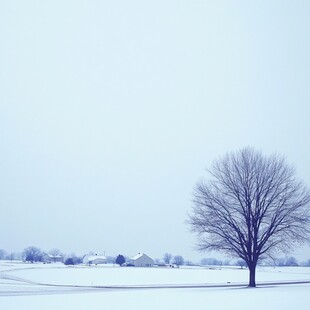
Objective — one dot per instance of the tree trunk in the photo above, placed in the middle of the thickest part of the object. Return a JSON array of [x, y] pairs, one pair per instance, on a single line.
[[252, 269]]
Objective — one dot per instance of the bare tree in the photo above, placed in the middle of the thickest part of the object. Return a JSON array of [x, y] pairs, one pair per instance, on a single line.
[[2, 254], [211, 261], [167, 258], [33, 254], [241, 263], [178, 260], [286, 261], [252, 206]]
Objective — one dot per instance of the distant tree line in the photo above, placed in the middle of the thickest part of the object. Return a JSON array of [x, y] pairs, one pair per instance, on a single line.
[[34, 254]]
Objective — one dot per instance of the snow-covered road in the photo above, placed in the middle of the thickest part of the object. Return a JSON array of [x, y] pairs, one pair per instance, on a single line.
[[11, 285], [37, 286]]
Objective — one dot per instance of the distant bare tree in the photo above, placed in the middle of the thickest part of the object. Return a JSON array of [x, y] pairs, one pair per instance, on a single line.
[[157, 261], [2, 254], [252, 206], [241, 263], [188, 263], [167, 258], [10, 256], [178, 260], [33, 254], [291, 261], [211, 261], [286, 261], [306, 263]]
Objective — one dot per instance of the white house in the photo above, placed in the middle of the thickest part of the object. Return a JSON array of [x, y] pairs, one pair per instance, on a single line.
[[142, 260], [94, 259], [48, 258]]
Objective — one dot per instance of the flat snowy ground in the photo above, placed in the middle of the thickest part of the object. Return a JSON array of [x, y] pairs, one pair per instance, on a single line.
[[55, 286]]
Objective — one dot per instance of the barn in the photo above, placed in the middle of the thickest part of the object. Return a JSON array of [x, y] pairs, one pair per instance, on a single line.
[[141, 260]]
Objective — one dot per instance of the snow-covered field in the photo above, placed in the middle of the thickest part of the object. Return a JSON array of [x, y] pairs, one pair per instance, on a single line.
[[55, 286]]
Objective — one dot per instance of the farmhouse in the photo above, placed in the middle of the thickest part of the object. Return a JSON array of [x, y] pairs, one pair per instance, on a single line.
[[94, 259], [142, 260], [49, 258]]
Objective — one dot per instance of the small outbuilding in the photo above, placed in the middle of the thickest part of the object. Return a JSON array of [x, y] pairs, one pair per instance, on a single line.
[[94, 259], [142, 260]]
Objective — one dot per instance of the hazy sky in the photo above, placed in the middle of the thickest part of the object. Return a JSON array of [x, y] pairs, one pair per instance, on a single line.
[[110, 111]]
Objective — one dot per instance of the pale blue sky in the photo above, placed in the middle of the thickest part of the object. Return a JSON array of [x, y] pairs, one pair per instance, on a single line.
[[110, 111]]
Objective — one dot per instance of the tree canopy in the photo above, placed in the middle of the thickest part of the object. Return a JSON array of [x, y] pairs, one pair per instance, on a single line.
[[252, 206], [33, 254]]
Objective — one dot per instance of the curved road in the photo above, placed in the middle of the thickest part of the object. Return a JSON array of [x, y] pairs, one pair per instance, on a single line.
[[14, 286]]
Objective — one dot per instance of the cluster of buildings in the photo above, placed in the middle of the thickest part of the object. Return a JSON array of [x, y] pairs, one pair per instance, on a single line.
[[139, 260]]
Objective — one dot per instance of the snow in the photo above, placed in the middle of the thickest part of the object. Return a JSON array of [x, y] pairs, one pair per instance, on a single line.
[[137, 256], [19, 288]]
